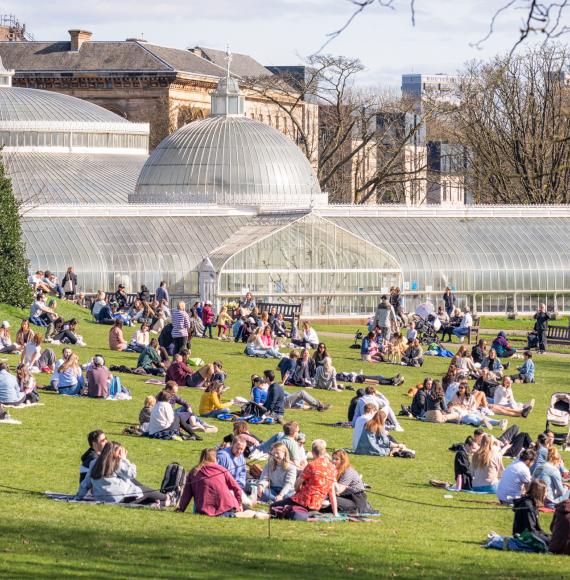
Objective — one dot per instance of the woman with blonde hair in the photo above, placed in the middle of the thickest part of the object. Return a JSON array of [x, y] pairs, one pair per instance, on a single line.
[[224, 322], [549, 472], [325, 376], [69, 376], [6, 344], [277, 480], [349, 488], [374, 440], [487, 466]]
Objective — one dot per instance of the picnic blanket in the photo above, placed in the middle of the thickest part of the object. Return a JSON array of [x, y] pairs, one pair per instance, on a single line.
[[67, 498], [329, 518]]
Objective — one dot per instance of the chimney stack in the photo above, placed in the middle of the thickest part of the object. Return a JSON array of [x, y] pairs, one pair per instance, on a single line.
[[78, 37]]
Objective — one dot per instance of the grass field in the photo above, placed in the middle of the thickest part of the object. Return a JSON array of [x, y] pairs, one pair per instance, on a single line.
[[442, 539]]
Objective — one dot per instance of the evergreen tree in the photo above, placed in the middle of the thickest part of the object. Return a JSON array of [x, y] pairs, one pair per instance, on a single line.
[[14, 287]]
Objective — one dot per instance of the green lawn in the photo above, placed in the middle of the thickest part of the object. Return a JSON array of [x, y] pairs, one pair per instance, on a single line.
[[41, 538]]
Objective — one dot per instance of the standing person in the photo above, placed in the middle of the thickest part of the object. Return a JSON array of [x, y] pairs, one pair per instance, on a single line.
[[180, 327], [224, 323], [315, 483], [208, 317], [385, 318], [541, 327], [162, 293], [449, 301], [69, 283]]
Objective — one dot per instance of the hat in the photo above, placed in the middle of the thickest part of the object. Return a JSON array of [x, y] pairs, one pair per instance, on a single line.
[[208, 303], [5, 324]]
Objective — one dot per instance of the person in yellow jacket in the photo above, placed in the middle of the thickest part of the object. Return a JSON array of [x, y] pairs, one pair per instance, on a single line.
[[210, 403]]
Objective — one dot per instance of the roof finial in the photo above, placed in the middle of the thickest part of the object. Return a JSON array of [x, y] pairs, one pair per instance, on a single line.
[[228, 59]]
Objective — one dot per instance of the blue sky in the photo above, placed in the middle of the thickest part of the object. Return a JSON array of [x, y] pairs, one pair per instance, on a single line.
[[283, 31]]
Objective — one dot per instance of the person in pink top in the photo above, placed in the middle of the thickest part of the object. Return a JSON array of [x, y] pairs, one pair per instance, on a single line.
[[214, 490], [116, 339], [208, 317]]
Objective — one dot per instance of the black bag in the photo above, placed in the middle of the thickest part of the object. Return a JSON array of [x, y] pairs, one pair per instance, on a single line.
[[254, 409], [173, 481]]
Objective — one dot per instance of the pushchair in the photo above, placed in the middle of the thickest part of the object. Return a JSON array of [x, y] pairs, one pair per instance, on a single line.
[[558, 415], [357, 336], [426, 328]]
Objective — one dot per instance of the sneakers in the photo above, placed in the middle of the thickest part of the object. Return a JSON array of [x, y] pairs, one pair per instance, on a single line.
[[323, 407], [503, 424], [399, 429], [486, 423], [258, 455], [506, 365]]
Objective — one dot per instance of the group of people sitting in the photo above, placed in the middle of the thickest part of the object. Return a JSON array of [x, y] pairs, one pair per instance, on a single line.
[[293, 482], [536, 478]]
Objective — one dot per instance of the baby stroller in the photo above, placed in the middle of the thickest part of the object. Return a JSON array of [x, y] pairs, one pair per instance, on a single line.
[[357, 336], [426, 328], [558, 414]]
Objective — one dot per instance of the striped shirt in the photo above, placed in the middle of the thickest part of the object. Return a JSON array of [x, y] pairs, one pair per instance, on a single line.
[[352, 480], [180, 323]]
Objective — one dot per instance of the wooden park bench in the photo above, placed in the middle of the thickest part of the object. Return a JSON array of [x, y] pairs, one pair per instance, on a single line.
[[474, 330], [131, 297], [558, 334], [291, 312]]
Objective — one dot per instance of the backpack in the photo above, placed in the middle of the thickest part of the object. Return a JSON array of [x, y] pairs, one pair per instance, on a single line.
[[173, 481]]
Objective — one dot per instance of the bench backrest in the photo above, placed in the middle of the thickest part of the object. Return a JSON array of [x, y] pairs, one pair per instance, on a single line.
[[290, 311]]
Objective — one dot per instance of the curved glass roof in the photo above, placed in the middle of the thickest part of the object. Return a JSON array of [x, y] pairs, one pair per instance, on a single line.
[[229, 160], [19, 104], [72, 178]]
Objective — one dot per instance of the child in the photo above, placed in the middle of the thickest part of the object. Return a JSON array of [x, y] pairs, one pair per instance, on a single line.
[[144, 415], [224, 321]]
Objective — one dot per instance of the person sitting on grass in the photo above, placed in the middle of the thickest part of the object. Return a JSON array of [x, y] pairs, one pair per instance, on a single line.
[[487, 466], [462, 464], [370, 409], [349, 487], [549, 472], [374, 440], [211, 404], [10, 394], [144, 414], [369, 348], [140, 339], [289, 437], [325, 377], [504, 401], [40, 314], [502, 346], [70, 376], [259, 346], [277, 480], [466, 410], [165, 423], [516, 478], [380, 400], [526, 370], [27, 384], [214, 490], [96, 441], [526, 510], [6, 344], [315, 484], [99, 378], [111, 479], [116, 338], [233, 459], [149, 360], [560, 528], [413, 355], [494, 364]]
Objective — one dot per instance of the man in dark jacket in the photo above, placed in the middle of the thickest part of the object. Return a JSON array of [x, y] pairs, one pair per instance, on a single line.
[[275, 403], [96, 440], [449, 301], [419, 403], [541, 326], [560, 528], [462, 465]]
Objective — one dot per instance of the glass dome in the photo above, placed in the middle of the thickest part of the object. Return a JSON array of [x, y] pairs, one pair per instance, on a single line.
[[228, 160], [19, 104]]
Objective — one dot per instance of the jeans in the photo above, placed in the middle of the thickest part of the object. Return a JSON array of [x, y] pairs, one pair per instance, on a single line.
[[475, 420], [38, 321], [270, 493], [460, 331], [302, 396], [73, 390], [207, 327], [216, 412], [486, 488]]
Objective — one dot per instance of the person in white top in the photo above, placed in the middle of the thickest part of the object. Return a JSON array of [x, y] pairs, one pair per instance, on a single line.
[[309, 336], [140, 339], [504, 401], [466, 323], [54, 381], [164, 419], [516, 478], [370, 410]]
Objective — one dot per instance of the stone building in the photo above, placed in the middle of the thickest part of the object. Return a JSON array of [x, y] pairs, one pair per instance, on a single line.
[[143, 82]]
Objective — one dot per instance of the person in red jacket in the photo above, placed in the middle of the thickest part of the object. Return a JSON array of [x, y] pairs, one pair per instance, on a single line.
[[560, 528], [215, 491], [208, 318]]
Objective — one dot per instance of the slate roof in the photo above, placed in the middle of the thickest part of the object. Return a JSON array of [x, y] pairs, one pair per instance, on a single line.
[[119, 56]]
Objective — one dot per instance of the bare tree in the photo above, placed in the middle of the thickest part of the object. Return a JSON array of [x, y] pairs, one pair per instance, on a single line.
[[513, 119], [363, 134], [546, 17]]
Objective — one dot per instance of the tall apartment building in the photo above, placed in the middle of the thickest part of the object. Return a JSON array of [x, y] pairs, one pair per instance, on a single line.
[[445, 162]]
